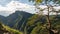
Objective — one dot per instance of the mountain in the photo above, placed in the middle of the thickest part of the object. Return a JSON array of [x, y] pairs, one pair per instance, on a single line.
[[16, 19], [30, 23]]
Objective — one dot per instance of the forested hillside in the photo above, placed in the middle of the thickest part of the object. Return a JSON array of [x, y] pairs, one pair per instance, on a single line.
[[38, 24], [7, 30], [29, 16], [34, 24], [16, 19]]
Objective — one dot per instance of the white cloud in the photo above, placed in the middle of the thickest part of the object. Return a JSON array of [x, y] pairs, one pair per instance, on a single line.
[[15, 5]]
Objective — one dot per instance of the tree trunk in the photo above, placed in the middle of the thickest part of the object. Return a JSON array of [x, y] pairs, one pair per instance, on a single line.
[[51, 31], [48, 21]]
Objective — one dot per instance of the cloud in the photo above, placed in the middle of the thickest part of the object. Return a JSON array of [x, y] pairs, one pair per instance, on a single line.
[[15, 5]]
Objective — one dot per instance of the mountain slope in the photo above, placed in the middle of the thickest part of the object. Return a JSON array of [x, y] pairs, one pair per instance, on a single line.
[[7, 30], [38, 24], [31, 23], [16, 19], [3, 19]]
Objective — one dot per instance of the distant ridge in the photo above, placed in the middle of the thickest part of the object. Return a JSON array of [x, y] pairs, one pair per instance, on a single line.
[[12, 19]]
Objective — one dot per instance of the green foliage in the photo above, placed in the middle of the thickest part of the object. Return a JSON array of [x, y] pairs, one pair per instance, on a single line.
[[12, 30], [35, 30], [32, 20], [1, 26], [38, 29], [4, 28], [36, 26]]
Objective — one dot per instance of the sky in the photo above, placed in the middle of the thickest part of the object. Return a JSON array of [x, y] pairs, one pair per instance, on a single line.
[[8, 7], [4, 2]]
